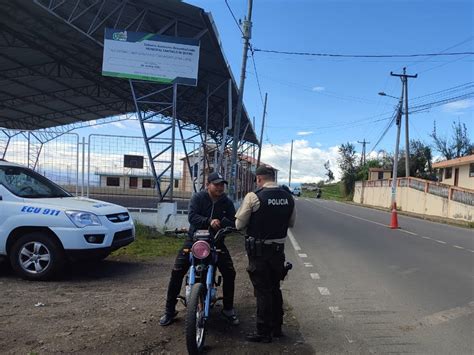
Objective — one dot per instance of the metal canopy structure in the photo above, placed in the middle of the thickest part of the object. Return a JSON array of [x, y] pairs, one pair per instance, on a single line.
[[51, 61]]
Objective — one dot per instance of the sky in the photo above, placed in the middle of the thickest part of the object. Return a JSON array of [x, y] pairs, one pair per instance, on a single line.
[[322, 102]]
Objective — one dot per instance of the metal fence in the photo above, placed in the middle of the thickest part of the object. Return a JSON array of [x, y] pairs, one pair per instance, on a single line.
[[438, 190], [112, 168], [118, 170], [417, 184], [464, 197], [56, 158]]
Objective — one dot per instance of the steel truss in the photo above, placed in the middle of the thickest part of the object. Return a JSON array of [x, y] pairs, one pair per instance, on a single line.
[[152, 101]]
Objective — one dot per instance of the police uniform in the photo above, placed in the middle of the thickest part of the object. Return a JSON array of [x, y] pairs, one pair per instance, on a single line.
[[267, 213]]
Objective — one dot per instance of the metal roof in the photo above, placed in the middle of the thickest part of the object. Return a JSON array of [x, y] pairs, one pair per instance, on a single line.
[[51, 59]]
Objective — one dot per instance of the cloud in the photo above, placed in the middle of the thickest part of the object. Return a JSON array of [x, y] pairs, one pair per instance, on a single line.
[[456, 107], [93, 124], [304, 133], [308, 162], [319, 88], [118, 125]]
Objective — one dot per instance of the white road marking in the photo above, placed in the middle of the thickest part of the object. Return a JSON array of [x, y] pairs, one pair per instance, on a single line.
[[324, 291], [349, 339], [445, 316], [347, 214], [308, 265], [409, 271], [303, 255], [335, 312], [314, 276], [384, 225], [293, 241]]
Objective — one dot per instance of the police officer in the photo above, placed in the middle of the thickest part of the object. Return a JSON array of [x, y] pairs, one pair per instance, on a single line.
[[266, 213], [207, 209]]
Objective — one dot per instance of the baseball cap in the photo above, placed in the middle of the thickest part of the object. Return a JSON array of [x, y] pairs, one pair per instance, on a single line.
[[216, 178], [264, 170]]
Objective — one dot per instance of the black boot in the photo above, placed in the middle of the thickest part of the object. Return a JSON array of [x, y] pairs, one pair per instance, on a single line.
[[258, 338], [277, 333]]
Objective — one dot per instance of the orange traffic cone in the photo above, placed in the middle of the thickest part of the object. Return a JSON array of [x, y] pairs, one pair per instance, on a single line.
[[394, 220]]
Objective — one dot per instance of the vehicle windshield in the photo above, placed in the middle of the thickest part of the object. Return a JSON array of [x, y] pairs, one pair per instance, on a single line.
[[26, 183]]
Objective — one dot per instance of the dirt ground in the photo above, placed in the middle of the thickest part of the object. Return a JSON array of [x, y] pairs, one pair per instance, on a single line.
[[113, 307]]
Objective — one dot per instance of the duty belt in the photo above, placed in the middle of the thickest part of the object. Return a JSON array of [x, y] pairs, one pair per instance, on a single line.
[[274, 246]]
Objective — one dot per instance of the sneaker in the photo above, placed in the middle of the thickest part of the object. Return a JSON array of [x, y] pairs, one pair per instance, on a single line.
[[258, 338], [167, 318], [230, 316]]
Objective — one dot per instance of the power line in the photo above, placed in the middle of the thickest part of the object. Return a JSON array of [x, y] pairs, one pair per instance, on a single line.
[[256, 74], [235, 19], [430, 105], [421, 61], [454, 88], [363, 55], [390, 124], [251, 50]]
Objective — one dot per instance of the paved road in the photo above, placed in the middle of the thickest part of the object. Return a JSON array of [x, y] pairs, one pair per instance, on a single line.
[[361, 287]]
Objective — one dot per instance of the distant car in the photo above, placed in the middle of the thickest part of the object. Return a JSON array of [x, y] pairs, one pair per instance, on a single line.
[[296, 191], [42, 225]]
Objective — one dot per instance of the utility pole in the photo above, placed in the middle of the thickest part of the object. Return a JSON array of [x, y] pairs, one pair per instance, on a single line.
[[362, 158], [261, 131], [394, 219], [247, 27], [404, 77], [291, 162]]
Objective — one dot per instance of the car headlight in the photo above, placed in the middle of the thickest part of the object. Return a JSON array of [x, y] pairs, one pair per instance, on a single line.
[[83, 219]]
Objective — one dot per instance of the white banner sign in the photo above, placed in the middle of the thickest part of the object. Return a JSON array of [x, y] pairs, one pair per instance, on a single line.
[[146, 56]]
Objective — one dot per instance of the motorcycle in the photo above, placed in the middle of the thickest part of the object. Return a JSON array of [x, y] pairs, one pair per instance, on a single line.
[[202, 284]]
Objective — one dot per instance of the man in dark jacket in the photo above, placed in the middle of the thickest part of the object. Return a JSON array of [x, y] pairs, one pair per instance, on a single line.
[[207, 209]]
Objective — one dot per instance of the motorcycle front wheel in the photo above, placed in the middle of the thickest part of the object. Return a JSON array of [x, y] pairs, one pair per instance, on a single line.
[[195, 322]]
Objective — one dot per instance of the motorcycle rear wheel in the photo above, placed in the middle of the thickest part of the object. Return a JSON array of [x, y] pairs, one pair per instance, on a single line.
[[195, 323]]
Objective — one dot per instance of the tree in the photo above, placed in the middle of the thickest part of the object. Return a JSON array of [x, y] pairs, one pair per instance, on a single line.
[[458, 146], [329, 172], [420, 161], [348, 164]]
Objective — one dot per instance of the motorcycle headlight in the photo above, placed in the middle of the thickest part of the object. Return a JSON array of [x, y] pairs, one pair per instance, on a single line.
[[83, 219], [201, 249]]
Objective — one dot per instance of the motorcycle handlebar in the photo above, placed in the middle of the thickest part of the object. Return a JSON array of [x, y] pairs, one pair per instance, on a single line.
[[222, 232]]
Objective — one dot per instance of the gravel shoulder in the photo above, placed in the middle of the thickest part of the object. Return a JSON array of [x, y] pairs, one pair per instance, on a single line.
[[114, 306]]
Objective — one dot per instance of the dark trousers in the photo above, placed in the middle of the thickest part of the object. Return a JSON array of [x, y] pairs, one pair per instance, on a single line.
[[181, 266], [265, 273]]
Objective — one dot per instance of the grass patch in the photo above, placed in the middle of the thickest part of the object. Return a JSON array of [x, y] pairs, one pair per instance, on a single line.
[[150, 243], [328, 192]]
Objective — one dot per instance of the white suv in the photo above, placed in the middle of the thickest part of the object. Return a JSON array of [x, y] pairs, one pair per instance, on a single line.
[[42, 226]]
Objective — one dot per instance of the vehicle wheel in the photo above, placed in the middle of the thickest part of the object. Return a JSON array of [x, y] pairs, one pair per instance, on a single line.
[[36, 256], [195, 323]]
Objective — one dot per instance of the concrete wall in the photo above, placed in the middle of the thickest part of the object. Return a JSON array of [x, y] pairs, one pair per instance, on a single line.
[[410, 199], [165, 218]]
